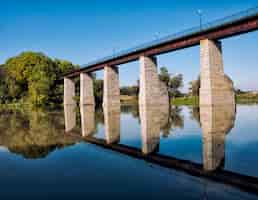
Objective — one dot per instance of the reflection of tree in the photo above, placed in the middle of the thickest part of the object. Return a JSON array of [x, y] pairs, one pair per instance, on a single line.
[[99, 116], [132, 108], [175, 120], [33, 134]]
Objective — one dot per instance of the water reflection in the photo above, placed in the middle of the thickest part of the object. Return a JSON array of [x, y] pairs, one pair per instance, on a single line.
[[70, 117], [153, 118], [174, 120], [216, 122], [112, 124], [33, 134], [87, 120]]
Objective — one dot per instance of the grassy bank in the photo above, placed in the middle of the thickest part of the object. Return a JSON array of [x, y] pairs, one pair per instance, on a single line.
[[247, 98], [129, 100], [125, 99], [178, 101]]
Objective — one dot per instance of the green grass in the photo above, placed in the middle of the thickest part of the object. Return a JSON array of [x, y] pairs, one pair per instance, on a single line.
[[246, 99], [178, 101]]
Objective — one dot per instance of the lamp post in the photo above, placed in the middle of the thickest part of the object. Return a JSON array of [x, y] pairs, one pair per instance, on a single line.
[[199, 12], [156, 35]]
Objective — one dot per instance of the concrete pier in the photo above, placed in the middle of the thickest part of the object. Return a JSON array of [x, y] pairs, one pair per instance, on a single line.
[[86, 90], [153, 103], [216, 122], [111, 96], [70, 117], [112, 126], [150, 128], [152, 90], [111, 104], [69, 92], [69, 104], [87, 120], [216, 87]]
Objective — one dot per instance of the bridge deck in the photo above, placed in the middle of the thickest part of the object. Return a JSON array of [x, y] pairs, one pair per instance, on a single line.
[[236, 24]]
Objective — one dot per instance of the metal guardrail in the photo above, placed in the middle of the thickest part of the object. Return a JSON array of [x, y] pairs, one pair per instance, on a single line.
[[195, 30]]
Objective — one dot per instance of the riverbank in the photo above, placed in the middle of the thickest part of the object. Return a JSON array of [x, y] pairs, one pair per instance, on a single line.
[[193, 100], [129, 100]]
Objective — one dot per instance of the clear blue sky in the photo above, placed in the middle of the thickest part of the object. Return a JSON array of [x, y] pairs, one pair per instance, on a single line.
[[82, 31]]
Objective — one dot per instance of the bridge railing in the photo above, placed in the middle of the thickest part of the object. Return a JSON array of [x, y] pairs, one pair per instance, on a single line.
[[195, 30]]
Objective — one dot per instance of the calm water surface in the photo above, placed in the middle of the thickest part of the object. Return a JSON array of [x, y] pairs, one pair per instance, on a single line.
[[40, 161]]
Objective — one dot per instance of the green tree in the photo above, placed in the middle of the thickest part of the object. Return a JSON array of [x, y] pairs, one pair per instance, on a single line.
[[98, 91], [195, 87], [175, 83], [164, 76], [3, 86], [33, 77]]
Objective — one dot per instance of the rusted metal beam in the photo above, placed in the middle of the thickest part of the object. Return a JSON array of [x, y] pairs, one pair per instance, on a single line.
[[225, 31]]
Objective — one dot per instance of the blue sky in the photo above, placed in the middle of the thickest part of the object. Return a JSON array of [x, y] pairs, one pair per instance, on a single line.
[[82, 31]]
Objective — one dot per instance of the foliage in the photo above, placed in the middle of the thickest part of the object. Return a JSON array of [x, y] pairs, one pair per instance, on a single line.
[[129, 90], [98, 91], [193, 100], [173, 82], [195, 87], [164, 76], [33, 78]]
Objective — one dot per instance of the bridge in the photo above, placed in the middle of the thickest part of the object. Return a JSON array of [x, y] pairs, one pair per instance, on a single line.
[[217, 97], [216, 87]]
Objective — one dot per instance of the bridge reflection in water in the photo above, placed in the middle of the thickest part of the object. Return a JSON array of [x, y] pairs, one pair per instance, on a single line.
[[215, 121]]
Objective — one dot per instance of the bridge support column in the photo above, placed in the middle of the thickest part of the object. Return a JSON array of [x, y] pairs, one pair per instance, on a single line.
[[216, 122], [153, 99], [69, 104], [216, 87], [152, 91], [111, 104], [86, 90], [87, 120], [69, 92]]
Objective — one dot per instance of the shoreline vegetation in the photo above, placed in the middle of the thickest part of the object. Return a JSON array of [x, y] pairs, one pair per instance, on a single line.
[[133, 99], [32, 80], [194, 100]]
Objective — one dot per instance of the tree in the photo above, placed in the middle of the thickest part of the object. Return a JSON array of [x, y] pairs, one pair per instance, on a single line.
[[98, 91], [164, 75], [175, 83], [32, 77], [3, 86], [195, 87]]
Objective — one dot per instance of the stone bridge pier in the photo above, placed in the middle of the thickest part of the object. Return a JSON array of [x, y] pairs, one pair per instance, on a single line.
[[111, 104], [216, 122], [87, 104], [153, 102], [217, 103], [216, 87], [69, 104]]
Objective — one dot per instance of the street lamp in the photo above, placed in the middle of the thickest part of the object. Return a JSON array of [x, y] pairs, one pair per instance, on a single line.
[[199, 12], [156, 35]]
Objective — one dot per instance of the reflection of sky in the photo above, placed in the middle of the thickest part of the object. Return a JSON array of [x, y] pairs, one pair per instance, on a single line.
[[186, 142], [3, 149], [87, 169]]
